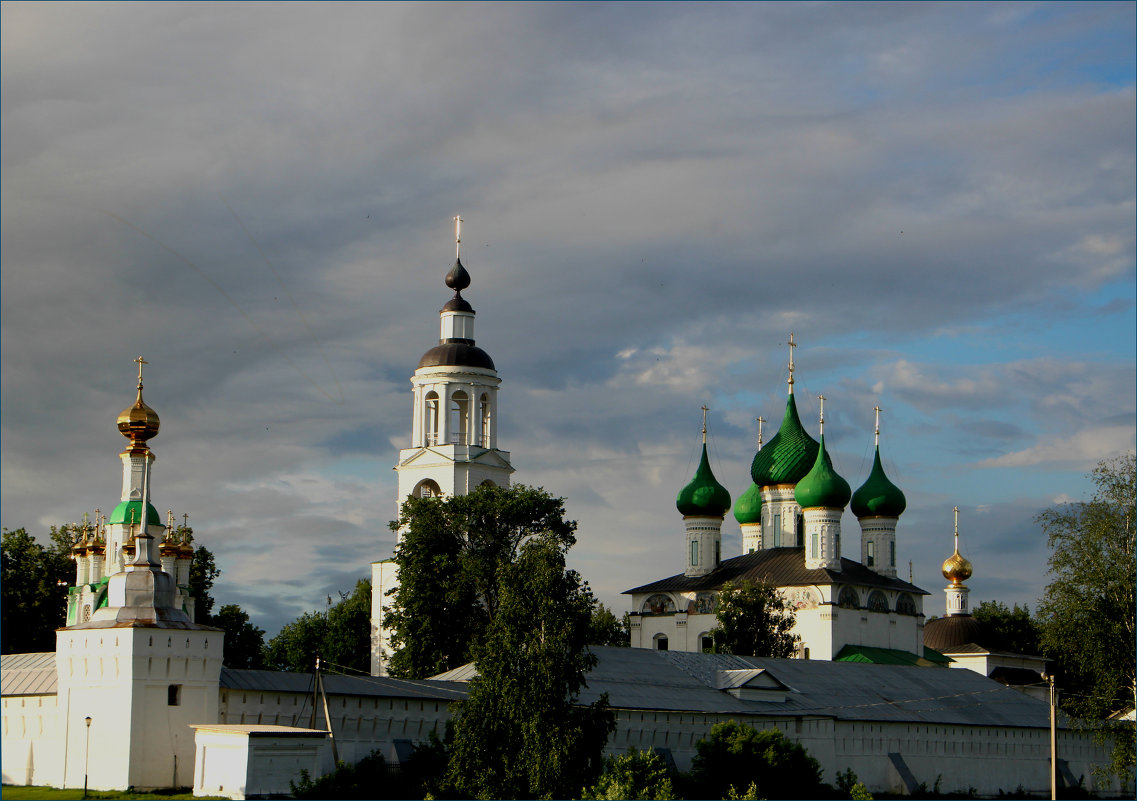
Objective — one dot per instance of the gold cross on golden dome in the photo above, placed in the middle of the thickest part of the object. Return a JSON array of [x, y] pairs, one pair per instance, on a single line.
[[140, 362], [458, 236], [956, 529]]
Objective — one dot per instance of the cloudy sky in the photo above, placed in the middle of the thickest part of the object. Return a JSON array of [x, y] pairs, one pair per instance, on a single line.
[[938, 200]]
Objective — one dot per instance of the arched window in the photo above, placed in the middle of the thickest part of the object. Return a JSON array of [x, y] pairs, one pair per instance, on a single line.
[[430, 423], [776, 530], [459, 416], [484, 416], [799, 535], [694, 552], [487, 483], [706, 643], [427, 488], [848, 598], [660, 642], [870, 553], [905, 605], [658, 604], [877, 601]]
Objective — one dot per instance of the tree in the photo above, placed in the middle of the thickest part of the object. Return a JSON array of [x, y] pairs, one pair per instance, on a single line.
[[1011, 630], [341, 636], [33, 582], [1087, 612], [521, 732], [244, 642], [449, 559], [736, 755], [607, 629], [754, 620], [640, 775]]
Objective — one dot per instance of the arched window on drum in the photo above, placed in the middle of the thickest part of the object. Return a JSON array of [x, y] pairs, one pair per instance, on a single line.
[[484, 418], [430, 418], [905, 605]]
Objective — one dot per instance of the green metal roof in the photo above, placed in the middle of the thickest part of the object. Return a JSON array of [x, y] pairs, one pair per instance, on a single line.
[[822, 487], [703, 495], [122, 514], [878, 496], [748, 509], [890, 656], [789, 454]]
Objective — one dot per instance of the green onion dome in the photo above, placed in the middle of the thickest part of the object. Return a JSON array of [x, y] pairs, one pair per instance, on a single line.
[[788, 456], [749, 506], [704, 496], [129, 512], [822, 487], [878, 497]]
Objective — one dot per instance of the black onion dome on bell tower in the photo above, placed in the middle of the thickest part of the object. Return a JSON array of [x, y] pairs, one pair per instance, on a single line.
[[452, 351]]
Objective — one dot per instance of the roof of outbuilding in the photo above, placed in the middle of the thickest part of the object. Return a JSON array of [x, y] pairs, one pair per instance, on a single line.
[[782, 567]]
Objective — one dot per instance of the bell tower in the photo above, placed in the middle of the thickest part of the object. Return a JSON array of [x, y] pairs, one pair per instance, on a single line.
[[454, 447]]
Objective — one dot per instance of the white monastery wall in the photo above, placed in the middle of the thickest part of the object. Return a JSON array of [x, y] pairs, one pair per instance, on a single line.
[[31, 753]]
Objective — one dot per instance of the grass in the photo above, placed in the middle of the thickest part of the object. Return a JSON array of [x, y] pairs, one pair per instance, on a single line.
[[25, 793]]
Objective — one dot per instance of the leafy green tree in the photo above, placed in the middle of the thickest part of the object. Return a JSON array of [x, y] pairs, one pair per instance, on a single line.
[[244, 642], [640, 775], [1011, 630], [754, 620], [360, 780], [1087, 614], [736, 755], [33, 584], [449, 559], [607, 629], [521, 732], [341, 636]]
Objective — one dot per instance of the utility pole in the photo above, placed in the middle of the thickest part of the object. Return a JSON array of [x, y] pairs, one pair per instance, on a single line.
[[1053, 738]]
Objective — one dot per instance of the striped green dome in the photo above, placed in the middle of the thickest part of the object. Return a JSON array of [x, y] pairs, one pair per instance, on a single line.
[[749, 506], [122, 514], [878, 497], [703, 496], [788, 456], [822, 487]]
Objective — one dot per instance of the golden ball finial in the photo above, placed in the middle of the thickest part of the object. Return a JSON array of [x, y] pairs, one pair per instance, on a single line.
[[956, 569], [138, 422]]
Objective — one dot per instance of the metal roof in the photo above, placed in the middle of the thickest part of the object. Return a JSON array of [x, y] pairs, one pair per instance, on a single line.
[[382, 686], [28, 674], [641, 679], [782, 567]]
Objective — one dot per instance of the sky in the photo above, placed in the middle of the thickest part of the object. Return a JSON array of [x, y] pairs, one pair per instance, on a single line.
[[936, 199]]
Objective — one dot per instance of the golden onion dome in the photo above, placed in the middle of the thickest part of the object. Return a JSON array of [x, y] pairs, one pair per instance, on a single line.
[[956, 569], [138, 422]]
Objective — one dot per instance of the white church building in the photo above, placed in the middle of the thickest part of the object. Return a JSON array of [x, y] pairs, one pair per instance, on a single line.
[[136, 695], [790, 518]]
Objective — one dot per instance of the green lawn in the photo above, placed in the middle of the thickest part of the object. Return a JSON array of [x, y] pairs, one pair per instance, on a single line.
[[18, 793]]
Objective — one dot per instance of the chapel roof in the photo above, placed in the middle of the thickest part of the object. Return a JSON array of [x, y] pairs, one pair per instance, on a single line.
[[782, 567]]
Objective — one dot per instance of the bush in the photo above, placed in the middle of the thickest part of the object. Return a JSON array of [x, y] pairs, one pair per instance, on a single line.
[[360, 780], [736, 755], [638, 775]]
